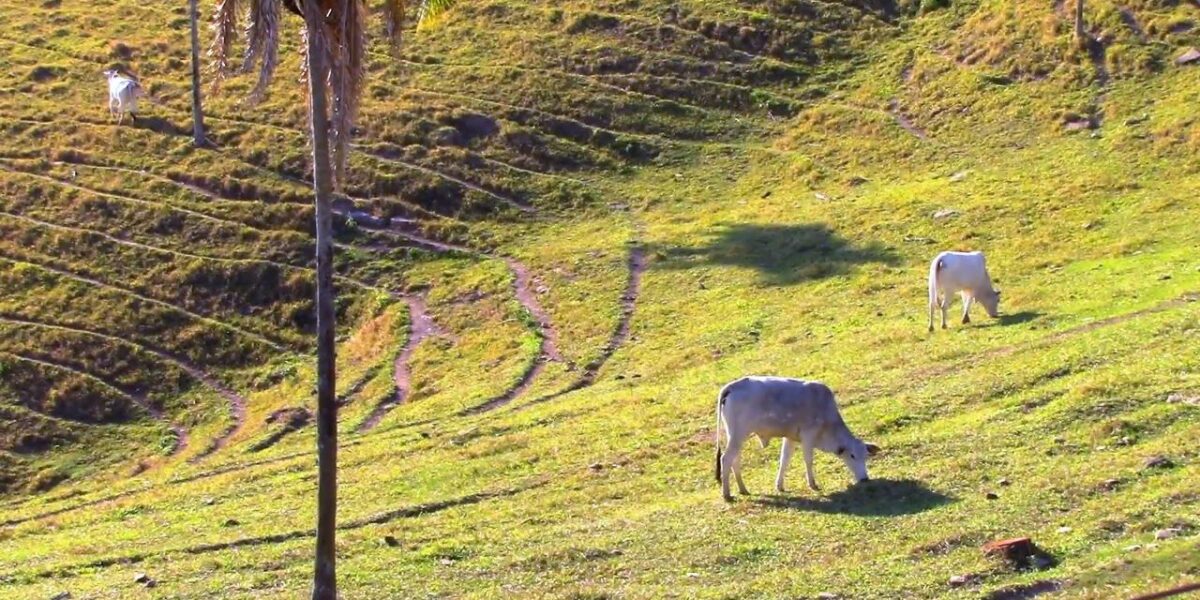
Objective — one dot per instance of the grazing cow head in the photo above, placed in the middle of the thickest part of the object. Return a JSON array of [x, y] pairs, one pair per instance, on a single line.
[[991, 302], [854, 453], [110, 73]]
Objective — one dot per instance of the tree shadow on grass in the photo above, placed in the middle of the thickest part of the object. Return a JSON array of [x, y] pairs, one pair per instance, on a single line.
[[782, 254], [874, 498]]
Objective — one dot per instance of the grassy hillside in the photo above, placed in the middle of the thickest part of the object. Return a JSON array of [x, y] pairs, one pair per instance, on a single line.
[[584, 218]]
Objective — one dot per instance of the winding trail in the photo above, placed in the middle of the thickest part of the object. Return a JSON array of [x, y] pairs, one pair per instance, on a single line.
[[904, 122], [128, 199], [503, 199], [421, 326], [181, 435], [522, 288], [180, 253], [160, 303], [237, 403]]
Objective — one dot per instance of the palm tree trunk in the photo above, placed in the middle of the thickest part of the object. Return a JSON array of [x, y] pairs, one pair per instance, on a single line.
[[324, 579], [1080, 34], [197, 111]]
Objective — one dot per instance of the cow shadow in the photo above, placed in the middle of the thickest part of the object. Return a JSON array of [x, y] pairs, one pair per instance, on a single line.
[[782, 254], [874, 498], [1017, 318]]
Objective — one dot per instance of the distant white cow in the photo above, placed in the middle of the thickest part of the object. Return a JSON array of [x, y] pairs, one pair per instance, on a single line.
[[965, 273], [792, 409], [123, 94]]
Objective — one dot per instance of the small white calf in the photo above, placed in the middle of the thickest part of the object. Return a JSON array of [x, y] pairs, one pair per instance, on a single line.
[[965, 273], [792, 409], [123, 94]]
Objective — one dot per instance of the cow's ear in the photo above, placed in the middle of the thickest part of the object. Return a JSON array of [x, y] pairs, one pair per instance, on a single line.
[[872, 449], [841, 450]]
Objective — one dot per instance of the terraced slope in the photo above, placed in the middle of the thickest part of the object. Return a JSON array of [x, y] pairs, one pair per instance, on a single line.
[[567, 224]]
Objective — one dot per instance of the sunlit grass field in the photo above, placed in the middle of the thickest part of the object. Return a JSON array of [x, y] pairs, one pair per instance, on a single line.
[[600, 213]]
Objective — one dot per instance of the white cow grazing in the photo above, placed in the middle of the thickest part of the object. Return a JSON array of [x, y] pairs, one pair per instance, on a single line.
[[965, 273], [792, 409], [123, 94]]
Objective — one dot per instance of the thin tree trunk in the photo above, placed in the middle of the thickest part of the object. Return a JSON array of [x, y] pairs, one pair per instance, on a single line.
[[325, 578], [1080, 34], [197, 110]]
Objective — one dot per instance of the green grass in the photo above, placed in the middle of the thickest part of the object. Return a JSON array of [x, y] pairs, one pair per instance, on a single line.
[[755, 152]]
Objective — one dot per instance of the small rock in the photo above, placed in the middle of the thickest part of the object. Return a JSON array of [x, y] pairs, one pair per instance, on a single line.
[[945, 213], [447, 561], [1109, 485], [766, 194], [827, 596], [1180, 398], [1041, 561], [821, 197], [958, 580], [992, 496], [391, 541], [1192, 55], [1168, 533], [140, 578], [231, 523], [619, 377], [1089, 225], [1158, 462], [693, 575], [1164, 277], [1138, 120], [1125, 441], [858, 180], [208, 501], [150, 583], [1004, 482], [1077, 124], [61, 596], [1133, 548], [596, 466], [1064, 529], [959, 176]]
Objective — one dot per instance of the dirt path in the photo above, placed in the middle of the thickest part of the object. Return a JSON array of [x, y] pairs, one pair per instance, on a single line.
[[904, 122], [127, 199], [503, 199], [160, 303], [945, 368], [522, 289], [180, 253], [237, 403], [620, 335], [138, 399], [421, 326]]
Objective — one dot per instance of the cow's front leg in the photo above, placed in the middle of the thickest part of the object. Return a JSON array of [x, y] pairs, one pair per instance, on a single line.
[[785, 457], [967, 300], [945, 306], [806, 442]]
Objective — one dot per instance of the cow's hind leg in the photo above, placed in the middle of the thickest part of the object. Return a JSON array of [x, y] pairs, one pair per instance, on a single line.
[[967, 300], [737, 473], [732, 451], [944, 304], [785, 457]]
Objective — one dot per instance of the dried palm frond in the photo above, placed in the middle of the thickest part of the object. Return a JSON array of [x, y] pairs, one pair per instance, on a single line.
[[431, 10], [393, 21], [262, 42], [346, 78], [225, 29]]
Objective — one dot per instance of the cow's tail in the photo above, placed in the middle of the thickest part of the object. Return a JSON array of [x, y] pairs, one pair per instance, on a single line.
[[934, 269], [720, 404]]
